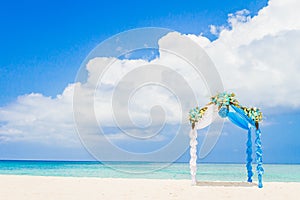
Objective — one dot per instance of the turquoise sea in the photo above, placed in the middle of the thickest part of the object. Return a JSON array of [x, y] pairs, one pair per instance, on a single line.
[[209, 172]]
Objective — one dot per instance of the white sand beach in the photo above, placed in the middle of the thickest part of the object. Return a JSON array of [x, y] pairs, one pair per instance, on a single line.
[[13, 187]]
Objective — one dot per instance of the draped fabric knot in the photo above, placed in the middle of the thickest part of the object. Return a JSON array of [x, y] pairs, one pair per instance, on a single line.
[[223, 112]]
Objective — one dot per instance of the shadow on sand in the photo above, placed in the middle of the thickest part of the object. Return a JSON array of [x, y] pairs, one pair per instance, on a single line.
[[226, 184]]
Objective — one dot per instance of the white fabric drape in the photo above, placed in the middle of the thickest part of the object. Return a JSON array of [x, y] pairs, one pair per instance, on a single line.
[[208, 117], [193, 154]]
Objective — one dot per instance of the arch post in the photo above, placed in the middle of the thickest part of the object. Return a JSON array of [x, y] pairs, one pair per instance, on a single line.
[[249, 156], [193, 155], [259, 167]]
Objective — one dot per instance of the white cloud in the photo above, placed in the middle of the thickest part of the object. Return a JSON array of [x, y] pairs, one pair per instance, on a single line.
[[35, 117], [276, 17], [258, 57]]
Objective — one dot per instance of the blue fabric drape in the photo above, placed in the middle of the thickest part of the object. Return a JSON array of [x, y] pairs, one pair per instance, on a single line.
[[241, 120], [242, 114], [249, 157], [259, 167], [238, 120]]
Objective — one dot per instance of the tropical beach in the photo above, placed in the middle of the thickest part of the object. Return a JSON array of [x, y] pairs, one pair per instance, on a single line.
[[81, 180], [35, 187], [157, 100]]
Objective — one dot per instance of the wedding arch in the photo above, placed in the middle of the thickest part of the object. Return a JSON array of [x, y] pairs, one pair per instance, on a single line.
[[226, 105]]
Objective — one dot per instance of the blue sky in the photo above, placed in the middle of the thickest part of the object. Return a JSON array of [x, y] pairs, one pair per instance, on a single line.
[[44, 44]]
